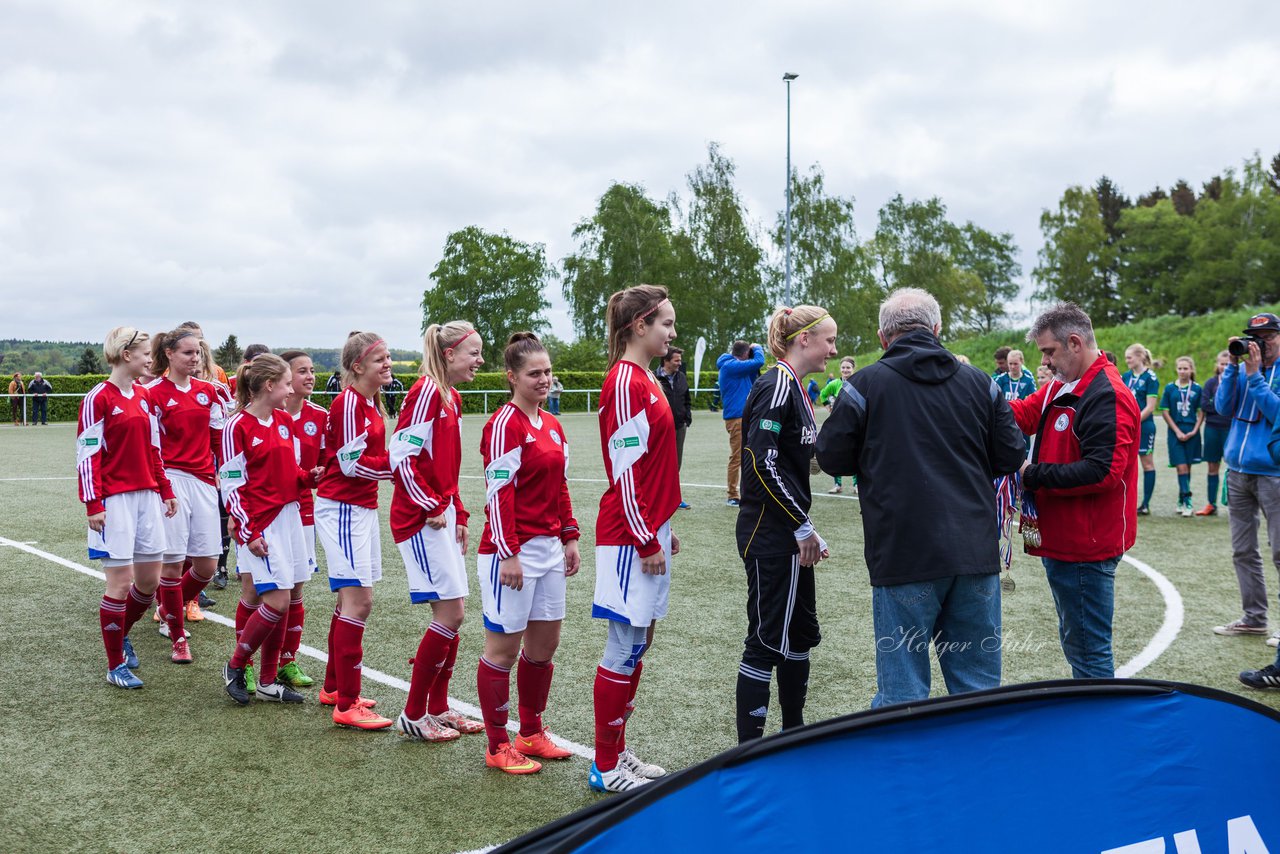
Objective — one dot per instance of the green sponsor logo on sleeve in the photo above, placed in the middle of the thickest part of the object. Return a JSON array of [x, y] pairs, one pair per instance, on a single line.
[[348, 457], [771, 426], [416, 441], [234, 475], [629, 442], [500, 474], [90, 442]]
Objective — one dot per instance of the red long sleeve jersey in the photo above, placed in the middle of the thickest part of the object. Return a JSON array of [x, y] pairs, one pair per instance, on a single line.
[[356, 451], [426, 456], [118, 448], [638, 440], [260, 473], [309, 429], [524, 467], [191, 422]]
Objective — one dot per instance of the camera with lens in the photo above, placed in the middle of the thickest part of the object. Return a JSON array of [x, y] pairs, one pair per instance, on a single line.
[[1240, 346]]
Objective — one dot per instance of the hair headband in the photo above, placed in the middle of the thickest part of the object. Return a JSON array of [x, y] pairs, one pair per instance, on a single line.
[[370, 349], [651, 312], [464, 337], [132, 338], [806, 328]]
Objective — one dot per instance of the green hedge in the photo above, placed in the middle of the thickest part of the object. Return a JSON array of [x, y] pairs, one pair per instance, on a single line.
[[68, 408]]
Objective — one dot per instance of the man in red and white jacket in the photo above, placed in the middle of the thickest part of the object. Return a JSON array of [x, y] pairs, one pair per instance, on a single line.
[[1081, 479]]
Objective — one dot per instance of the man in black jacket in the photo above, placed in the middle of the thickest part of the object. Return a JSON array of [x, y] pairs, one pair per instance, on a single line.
[[676, 385], [925, 436], [39, 389]]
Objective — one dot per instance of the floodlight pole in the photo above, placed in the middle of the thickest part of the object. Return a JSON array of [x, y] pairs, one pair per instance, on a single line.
[[786, 298]]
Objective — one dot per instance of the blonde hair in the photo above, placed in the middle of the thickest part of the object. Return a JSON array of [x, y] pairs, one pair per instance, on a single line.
[[1018, 353], [1141, 351], [253, 376], [165, 342], [1190, 361], [353, 353], [626, 307], [787, 324], [208, 364], [963, 359], [439, 339], [119, 340], [1218, 367]]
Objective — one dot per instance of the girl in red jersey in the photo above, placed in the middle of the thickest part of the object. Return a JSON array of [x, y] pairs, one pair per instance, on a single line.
[[261, 481], [346, 517], [524, 558], [634, 540], [190, 416], [429, 523], [309, 423], [126, 495]]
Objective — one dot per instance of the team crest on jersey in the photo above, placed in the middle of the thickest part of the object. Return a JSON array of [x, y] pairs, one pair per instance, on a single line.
[[555, 437], [283, 431], [1062, 422], [202, 399], [309, 428]]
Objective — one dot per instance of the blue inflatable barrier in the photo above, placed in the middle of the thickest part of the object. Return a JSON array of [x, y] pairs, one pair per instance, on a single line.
[[1098, 766]]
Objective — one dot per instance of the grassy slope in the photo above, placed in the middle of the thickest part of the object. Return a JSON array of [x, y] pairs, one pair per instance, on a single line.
[[1167, 338], [177, 766]]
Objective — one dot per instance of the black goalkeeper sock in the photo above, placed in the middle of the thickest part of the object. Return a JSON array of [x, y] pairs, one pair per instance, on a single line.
[[793, 689], [753, 702]]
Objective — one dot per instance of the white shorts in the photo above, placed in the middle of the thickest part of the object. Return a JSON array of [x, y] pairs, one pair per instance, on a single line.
[[196, 529], [134, 527], [309, 538], [434, 563], [352, 543], [286, 560], [626, 594], [540, 598]]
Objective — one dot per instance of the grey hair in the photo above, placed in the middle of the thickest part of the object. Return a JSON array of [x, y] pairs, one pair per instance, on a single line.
[[909, 308], [1063, 320]]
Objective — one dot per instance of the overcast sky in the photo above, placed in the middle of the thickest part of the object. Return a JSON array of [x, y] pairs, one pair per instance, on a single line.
[[288, 171]]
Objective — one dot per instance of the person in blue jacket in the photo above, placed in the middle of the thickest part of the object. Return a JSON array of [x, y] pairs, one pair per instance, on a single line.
[[1250, 392], [739, 369]]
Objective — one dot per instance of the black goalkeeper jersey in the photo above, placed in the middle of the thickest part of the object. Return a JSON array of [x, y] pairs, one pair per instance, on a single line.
[[779, 438]]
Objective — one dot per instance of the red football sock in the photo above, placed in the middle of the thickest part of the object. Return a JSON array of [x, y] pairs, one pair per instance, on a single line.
[[135, 606], [438, 697], [256, 631], [111, 620], [494, 686], [611, 690], [348, 637], [243, 612], [172, 611], [533, 683], [631, 705], [330, 676], [271, 651], [293, 633], [192, 584], [433, 653]]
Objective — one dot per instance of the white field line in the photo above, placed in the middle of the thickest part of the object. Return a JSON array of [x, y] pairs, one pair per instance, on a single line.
[[312, 652], [1169, 628]]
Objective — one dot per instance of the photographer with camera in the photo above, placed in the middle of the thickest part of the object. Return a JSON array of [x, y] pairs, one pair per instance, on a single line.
[[1250, 392]]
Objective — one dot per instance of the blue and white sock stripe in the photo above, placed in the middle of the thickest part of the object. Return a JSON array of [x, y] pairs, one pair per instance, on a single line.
[[754, 673]]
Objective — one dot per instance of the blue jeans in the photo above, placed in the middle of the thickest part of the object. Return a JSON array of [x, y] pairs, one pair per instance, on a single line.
[[960, 615], [553, 405], [1084, 594]]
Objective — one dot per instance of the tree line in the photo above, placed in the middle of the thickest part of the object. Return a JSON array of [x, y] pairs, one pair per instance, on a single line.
[[1177, 251], [725, 270]]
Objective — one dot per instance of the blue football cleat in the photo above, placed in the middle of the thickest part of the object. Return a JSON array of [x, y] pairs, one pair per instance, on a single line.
[[130, 657], [123, 677]]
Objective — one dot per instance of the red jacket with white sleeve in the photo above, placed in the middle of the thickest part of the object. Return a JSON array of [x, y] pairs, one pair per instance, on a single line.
[[1084, 465], [260, 475], [118, 447], [524, 467], [356, 451], [426, 457], [191, 421], [309, 429], [638, 440]]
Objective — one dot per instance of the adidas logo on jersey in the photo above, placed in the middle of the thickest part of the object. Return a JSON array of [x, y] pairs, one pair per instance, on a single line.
[[760, 712], [115, 410], [172, 402], [528, 437], [653, 398], [256, 442]]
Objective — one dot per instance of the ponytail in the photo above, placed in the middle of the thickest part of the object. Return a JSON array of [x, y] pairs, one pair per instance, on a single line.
[[165, 343], [624, 309], [436, 342], [787, 324], [253, 377]]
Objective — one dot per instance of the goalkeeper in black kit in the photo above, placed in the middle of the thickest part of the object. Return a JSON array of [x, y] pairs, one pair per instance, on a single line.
[[776, 539]]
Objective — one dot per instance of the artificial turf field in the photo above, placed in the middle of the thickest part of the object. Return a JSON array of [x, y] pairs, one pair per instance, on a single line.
[[177, 766]]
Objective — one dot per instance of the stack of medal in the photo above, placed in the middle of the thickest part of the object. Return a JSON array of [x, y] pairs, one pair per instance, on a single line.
[[1006, 503]]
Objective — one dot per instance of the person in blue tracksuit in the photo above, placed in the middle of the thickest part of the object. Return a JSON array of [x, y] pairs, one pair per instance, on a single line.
[[739, 369]]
